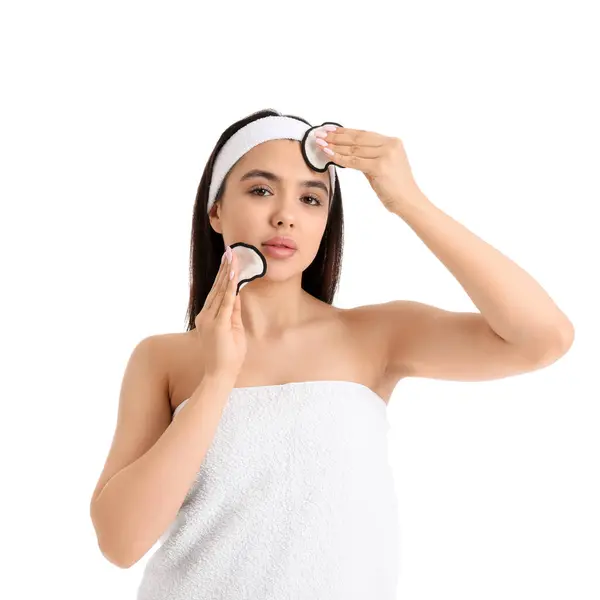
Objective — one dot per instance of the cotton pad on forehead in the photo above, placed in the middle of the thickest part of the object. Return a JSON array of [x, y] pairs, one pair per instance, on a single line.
[[252, 263], [315, 158]]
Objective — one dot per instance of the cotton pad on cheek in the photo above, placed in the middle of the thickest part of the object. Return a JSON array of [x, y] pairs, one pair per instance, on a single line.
[[252, 263], [315, 158]]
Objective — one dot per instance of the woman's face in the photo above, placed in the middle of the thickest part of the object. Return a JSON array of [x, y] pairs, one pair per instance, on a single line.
[[293, 202]]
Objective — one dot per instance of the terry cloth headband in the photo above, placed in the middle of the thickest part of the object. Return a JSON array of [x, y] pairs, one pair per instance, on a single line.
[[265, 129]]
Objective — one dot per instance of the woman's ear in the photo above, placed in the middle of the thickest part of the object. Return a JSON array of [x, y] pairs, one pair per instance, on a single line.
[[214, 217]]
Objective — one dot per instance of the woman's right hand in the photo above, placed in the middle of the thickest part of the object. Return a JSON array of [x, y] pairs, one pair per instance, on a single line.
[[219, 324]]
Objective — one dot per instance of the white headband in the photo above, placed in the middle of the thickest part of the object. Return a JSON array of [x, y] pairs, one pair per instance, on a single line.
[[254, 133]]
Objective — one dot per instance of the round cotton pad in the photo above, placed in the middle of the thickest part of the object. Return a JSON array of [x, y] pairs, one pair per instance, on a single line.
[[251, 261], [311, 151]]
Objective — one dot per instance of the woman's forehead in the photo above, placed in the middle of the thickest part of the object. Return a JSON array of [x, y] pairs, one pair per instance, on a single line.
[[281, 157]]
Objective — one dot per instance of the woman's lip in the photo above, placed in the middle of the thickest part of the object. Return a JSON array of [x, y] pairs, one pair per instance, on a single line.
[[278, 251]]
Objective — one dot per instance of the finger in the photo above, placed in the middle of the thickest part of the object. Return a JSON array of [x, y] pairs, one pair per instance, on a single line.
[[236, 314], [355, 150], [354, 137], [352, 161], [214, 291], [222, 288], [228, 297], [215, 287]]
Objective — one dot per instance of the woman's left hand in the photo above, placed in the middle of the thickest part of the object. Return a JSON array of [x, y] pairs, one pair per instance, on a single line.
[[382, 159]]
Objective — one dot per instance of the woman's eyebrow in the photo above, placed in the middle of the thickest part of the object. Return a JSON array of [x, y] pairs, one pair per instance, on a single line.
[[315, 183]]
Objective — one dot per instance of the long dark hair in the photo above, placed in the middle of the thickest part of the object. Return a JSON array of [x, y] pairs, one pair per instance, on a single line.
[[320, 278]]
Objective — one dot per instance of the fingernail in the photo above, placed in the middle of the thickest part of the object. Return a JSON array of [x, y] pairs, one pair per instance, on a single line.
[[231, 275], [329, 127], [229, 254], [223, 257]]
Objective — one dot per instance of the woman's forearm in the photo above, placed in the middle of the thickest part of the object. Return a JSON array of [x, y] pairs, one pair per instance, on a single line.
[[513, 303], [137, 504]]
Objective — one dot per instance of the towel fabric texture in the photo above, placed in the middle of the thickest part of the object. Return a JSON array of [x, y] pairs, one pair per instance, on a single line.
[[294, 499]]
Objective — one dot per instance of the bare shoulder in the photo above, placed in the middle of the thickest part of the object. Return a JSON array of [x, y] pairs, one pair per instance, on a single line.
[[164, 343], [161, 347], [364, 325], [362, 314], [181, 361], [353, 323], [365, 318], [168, 346]]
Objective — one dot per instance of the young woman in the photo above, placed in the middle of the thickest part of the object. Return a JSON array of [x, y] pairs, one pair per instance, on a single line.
[[254, 445]]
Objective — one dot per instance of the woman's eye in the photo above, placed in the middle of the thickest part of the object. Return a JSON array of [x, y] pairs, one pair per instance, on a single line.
[[316, 202], [259, 189]]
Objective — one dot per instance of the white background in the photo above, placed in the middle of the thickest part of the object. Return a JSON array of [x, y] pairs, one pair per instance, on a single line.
[[109, 113]]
